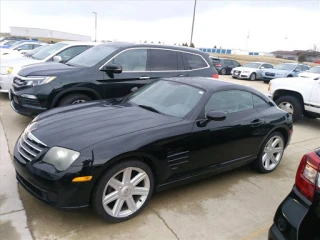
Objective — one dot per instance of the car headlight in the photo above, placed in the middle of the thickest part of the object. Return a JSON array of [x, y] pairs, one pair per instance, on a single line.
[[245, 71], [281, 74], [5, 70], [34, 81], [60, 158]]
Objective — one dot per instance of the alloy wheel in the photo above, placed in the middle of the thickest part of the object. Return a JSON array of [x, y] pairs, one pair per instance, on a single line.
[[286, 106], [272, 153], [126, 192], [78, 101]]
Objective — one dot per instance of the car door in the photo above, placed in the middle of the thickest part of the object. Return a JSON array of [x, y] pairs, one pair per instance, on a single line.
[[260, 70], [166, 63], [315, 97], [135, 73], [234, 139], [297, 70]]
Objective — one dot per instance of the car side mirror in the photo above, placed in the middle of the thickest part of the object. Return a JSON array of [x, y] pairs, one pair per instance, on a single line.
[[296, 70], [113, 68], [57, 59], [261, 67], [19, 49], [213, 116]]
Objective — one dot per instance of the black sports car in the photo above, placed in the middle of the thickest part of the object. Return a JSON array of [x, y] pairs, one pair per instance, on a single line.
[[114, 154]]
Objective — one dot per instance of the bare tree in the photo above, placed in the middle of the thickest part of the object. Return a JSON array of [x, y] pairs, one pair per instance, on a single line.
[[316, 47]]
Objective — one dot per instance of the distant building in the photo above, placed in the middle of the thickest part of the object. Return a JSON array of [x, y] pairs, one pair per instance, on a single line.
[[311, 56], [46, 33]]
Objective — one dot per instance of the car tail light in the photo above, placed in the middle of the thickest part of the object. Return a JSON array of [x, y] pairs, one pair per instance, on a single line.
[[215, 75], [308, 175], [218, 65]]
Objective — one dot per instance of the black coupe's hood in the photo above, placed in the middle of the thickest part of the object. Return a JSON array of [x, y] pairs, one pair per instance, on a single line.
[[79, 126], [46, 69]]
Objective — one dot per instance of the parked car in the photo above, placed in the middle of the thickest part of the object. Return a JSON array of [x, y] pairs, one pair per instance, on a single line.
[[313, 73], [251, 71], [104, 71], [224, 65], [7, 42], [316, 61], [17, 52], [284, 70], [297, 96], [20, 45], [60, 52], [114, 154], [298, 216]]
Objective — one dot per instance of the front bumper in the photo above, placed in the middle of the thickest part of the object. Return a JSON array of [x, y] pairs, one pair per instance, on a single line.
[[50, 186], [5, 83], [241, 75]]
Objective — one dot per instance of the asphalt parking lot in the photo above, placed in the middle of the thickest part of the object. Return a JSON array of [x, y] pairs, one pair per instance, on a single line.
[[235, 205]]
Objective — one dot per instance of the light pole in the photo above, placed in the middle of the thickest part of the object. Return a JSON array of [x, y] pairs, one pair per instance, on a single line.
[[95, 33], [194, 13]]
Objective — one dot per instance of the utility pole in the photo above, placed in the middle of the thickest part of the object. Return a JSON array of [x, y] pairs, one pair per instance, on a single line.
[[95, 33], [194, 13]]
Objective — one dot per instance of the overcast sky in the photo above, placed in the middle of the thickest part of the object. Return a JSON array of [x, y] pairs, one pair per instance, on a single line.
[[272, 25]]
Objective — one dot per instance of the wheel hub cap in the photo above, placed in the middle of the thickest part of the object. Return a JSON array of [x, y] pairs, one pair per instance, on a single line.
[[272, 153], [286, 107]]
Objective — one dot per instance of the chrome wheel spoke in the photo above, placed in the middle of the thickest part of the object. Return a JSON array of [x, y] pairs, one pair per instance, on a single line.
[[275, 142], [117, 207], [140, 191], [278, 150], [114, 183], [137, 179], [127, 175], [272, 152], [110, 197], [274, 160], [131, 204]]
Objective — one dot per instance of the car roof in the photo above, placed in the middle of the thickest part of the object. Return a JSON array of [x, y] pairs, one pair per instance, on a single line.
[[152, 45], [259, 62], [80, 43]]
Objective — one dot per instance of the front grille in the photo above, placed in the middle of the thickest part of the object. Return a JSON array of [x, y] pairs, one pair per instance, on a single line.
[[30, 147], [270, 74], [18, 83], [237, 72]]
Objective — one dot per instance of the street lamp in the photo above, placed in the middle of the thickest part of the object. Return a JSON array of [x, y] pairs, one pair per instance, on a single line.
[[194, 12], [95, 33]]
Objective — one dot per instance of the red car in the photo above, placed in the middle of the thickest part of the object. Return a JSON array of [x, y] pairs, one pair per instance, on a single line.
[[298, 216], [317, 61]]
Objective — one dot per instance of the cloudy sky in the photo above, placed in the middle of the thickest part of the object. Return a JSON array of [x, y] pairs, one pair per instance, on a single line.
[[272, 25]]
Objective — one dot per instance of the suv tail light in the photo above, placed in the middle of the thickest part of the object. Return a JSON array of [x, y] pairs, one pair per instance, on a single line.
[[215, 75], [218, 65], [308, 175]]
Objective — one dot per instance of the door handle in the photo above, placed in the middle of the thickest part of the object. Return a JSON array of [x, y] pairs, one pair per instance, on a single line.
[[144, 77], [256, 123], [181, 75]]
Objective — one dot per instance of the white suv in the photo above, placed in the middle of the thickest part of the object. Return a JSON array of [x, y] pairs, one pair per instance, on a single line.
[[298, 96], [59, 52]]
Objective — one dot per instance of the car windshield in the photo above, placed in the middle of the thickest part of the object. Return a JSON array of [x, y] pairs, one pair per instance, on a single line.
[[48, 51], [286, 66], [38, 49], [252, 65], [166, 97], [92, 56], [214, 60], [314, 70]]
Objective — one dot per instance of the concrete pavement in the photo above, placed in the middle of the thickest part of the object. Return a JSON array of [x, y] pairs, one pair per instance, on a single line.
[[235, 205]]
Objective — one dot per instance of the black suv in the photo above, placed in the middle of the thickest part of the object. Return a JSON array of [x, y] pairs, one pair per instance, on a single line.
[[105, 71], [224, 65]]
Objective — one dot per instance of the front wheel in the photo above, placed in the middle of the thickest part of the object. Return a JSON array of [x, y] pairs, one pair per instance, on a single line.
[[291, 105], [74, 98], [253, 77], [223, 71], [123, 191], [270, 153]]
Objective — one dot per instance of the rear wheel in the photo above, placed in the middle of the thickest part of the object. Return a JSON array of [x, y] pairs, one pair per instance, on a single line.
[[291, 105], [234, 77], [123, 191], [74, 99], [253, 76], [223, 71], [270, 153]]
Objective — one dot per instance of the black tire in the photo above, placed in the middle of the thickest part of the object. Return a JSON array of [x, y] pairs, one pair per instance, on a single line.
[[310, 115], [100, 186], [234, 77], [253, 77], [266, 81], [258, 164], [223, 71], [295, 103], [73, 98], [289, 76]]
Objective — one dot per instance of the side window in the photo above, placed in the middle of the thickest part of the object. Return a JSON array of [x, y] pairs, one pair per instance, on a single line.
[[258, 102], [132, 60], [230, 101], [71, 52], [35, 46], [305, 68], [236, 64], [25, 47], [162, 60], [193, 61], [268, 66], [227, 62], [298, 69]]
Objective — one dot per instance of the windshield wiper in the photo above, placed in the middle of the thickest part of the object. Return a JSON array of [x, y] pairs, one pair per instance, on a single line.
[[149, 108]]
